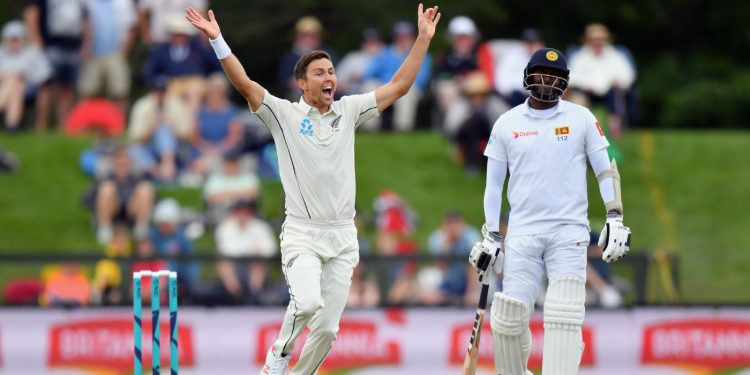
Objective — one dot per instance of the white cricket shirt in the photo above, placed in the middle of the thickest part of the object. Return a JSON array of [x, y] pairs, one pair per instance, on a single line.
[[316, 153], [546, 155]]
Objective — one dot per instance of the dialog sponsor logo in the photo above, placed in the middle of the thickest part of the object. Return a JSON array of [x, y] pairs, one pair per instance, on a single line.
[[461, 334], [715, 344], [358, 344], [107, 345], [518, 134]]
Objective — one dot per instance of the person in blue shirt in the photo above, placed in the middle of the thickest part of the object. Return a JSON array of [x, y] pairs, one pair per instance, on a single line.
[[402, 116]]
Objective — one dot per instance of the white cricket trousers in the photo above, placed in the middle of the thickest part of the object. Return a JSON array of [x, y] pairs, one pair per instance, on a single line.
[[318, 259], [561, 253]]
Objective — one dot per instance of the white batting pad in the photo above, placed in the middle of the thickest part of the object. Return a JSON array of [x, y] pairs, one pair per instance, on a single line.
[[563, 317], [511, 336]]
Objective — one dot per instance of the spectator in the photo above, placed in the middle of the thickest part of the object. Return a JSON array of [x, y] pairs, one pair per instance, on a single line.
[[219, 128], [460, 60], [365, 288], [56, 26], [454, 237], [185, 61], [308, 36], [144, 250], [108, 272], [158, 124], [599, 278], [227, 186], [170, 240], [108, 36], [395, 222], [403, 114], [22, 68], [242, 234], [603, 74], [121, 196], [66, 285], [350, 72], [154, 15], [469, 120], [509, 76]]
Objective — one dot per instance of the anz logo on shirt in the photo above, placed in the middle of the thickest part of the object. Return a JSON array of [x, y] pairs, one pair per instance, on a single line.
[[306, 128]]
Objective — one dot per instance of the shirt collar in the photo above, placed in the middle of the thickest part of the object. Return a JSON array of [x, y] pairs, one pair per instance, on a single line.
[[307, 108], [559, 108]]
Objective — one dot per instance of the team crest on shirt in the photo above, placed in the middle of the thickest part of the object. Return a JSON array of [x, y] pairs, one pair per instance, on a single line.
[[335, 124], [306, 128], [562, 132]]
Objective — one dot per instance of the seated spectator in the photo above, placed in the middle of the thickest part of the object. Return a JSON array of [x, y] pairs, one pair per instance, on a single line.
[[228, 185], [121, 196], [599, 278], [159, 122], [402, 116], [395, 223], [509, 70], [66, 285], [170, 240], [454, 237], [308, 36], [56, 26], [244, 235], [185, 61], [603, 74], [109, 34], [470, 118], [144, 251], [108, 272], [154, 15], [350, 72], [22, 68], [460, 60], [219, 128]]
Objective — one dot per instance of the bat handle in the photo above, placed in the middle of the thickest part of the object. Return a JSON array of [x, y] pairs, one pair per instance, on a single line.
[[483, 296]]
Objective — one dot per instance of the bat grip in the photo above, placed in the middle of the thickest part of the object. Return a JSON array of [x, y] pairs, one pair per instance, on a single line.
[[483, 296]]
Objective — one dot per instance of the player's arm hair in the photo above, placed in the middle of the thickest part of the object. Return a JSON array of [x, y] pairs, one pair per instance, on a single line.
[[404, 78], [252, 91]]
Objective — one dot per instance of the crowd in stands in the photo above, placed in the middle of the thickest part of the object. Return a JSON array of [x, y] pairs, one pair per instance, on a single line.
[[185, 130]]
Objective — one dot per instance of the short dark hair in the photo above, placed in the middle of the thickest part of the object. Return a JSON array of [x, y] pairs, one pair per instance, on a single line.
[[300, 68]]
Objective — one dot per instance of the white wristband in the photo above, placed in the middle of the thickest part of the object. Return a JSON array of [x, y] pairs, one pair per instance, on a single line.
[[220, 46]]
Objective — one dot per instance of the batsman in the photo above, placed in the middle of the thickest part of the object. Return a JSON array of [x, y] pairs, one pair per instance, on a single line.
[[542, 145]]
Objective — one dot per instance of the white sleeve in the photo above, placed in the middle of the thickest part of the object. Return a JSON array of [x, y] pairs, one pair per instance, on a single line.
[[272, 110], [365, 105], [496, 145], [493, 192], [599, 161], [594, 136]]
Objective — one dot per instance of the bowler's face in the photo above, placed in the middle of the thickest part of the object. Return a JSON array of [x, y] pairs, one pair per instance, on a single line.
[[319, 84]]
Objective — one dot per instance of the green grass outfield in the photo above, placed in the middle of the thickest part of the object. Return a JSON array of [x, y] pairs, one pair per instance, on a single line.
[[683, 192]]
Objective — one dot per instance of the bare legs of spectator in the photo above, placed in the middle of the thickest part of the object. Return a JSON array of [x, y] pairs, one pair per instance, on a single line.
[[12, 89], [63, 100], [108, 204]]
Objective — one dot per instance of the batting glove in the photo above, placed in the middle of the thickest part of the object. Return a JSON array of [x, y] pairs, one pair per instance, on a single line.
[[615, 238], [487, 255]]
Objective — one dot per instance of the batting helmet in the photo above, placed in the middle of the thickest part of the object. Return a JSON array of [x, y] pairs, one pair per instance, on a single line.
[[543, 88]]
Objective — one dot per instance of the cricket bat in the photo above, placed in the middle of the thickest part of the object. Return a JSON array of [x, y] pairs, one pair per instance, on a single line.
[[470, 362]]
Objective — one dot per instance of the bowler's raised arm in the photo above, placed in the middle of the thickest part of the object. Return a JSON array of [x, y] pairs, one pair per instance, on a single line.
[[251, 90]]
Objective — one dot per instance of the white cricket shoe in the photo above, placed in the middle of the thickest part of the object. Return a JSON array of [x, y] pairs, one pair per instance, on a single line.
[[275, 365]]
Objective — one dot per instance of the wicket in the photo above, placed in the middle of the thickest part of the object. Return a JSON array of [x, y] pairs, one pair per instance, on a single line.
[[155, 310]]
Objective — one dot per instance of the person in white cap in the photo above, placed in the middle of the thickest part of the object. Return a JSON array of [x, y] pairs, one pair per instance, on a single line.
[[315, 141], [458, 62], [170, 240], [22, 65], [154, 15]]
